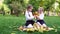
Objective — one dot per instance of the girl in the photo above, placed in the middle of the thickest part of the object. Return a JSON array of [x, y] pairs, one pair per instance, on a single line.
[[29, 17], [40, 18]]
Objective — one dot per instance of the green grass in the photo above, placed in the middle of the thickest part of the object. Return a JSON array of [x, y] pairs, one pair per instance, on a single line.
[[9, 24]]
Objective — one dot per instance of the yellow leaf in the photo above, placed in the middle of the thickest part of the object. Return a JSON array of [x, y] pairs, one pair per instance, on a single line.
[[12, 33]]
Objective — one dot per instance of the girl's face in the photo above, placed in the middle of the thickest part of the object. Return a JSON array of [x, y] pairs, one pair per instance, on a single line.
[[40, 10], [30, 9]]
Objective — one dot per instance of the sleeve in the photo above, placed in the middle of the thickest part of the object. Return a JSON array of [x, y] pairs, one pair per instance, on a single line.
[[29, 17]]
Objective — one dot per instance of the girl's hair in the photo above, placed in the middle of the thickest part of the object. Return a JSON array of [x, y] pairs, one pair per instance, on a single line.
[[29, 6], [41, 8]]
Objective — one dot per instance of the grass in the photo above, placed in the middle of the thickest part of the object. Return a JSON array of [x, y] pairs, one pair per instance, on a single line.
[[9, 24]]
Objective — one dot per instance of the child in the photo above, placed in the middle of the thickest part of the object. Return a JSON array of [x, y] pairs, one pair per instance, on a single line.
[[29, 17], [40, 18]]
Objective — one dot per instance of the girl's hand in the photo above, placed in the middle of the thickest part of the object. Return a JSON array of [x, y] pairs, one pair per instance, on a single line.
[[35, 16]]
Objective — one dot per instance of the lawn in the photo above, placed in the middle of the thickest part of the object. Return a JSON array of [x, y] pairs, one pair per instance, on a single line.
[[9, 24]]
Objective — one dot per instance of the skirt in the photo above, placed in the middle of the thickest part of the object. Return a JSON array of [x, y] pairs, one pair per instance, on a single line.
[[29, 22], [41, 22]]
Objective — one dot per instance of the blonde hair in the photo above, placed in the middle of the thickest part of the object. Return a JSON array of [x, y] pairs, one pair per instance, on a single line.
[[41, 8]]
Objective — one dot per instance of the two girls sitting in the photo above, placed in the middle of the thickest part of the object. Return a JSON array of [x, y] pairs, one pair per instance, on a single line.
[[29, 17], [30, 23]]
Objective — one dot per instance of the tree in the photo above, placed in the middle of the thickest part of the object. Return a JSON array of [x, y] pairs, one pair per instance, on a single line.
[[18, 6]]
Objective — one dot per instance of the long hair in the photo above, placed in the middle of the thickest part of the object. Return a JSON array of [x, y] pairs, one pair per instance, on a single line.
[[29, 6], [41, 9]]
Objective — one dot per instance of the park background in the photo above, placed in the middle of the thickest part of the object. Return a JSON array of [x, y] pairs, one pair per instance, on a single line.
[[12, 15]]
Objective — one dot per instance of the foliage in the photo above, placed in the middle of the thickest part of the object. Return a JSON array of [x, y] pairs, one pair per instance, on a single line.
[[20, 5]]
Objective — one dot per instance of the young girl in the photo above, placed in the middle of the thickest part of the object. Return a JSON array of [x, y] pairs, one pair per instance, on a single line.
[[29, 17], [40, 18]]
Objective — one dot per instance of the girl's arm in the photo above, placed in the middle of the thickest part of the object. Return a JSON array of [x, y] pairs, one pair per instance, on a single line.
[[41, 17], [29, 17], [37, 18]]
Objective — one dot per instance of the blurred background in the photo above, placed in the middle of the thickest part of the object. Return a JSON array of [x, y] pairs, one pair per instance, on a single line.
[[12, 15], [18, 7]]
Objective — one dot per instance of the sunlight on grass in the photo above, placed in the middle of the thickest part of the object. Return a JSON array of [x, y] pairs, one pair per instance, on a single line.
[[10, 25]]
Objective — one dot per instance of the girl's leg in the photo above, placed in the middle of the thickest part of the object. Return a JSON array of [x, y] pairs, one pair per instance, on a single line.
[[32, 22], [29, 22], [43, 23], [38, 23]]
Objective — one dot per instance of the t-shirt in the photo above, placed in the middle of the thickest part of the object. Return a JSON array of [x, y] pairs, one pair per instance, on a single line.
[[41, 16], [29, 15]]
